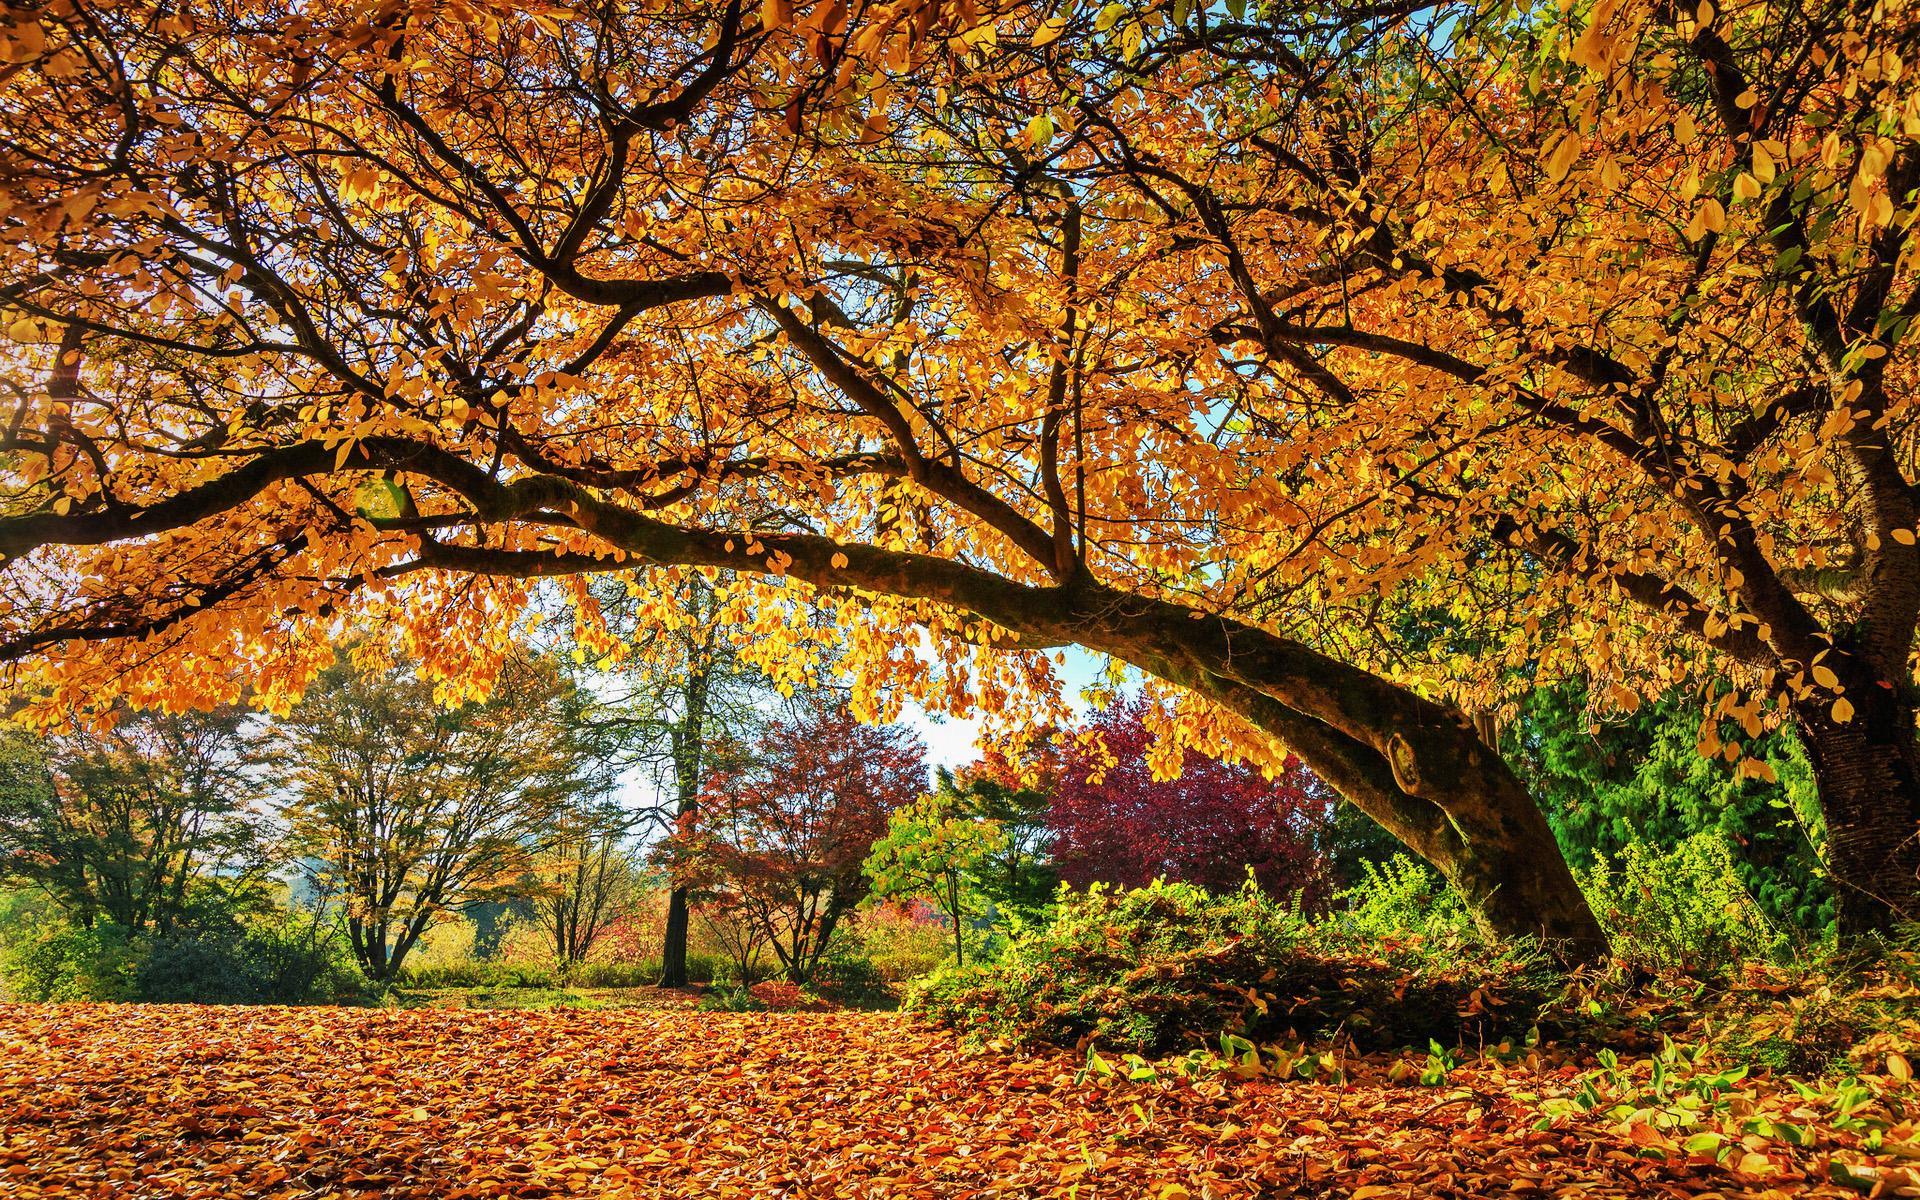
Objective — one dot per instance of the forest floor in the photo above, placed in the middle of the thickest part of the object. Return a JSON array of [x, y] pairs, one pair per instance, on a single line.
[[181, 1101], [772, 995]]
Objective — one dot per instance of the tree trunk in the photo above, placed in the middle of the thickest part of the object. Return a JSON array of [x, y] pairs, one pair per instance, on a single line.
[[1430, 781], [673, 952], [959, 942], [1506, 863], [1867, 771], [689, 753]]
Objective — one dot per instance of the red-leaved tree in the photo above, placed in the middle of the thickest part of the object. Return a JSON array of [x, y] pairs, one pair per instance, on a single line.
[[1117, 823], [786, 822]]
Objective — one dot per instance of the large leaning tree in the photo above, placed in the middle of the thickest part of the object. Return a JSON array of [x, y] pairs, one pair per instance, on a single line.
[[318, 310], [1577, 341]]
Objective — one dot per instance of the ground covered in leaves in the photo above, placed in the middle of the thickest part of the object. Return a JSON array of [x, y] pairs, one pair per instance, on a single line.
[[137, 1101]]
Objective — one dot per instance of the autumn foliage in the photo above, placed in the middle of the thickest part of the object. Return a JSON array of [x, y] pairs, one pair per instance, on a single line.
[[279, 1103], [786, 823], [1348, 371], [1122, 814]]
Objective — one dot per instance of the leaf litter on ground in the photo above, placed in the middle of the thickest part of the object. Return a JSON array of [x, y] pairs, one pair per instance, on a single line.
[[114, 1101]]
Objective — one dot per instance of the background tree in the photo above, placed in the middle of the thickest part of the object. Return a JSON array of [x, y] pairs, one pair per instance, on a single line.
[[734, 924], [1122, 813], [681, 690], [1609, 781], [134, 823], [408, 807], [585, 877], [932, 850], [1016, 876], [787, 825]]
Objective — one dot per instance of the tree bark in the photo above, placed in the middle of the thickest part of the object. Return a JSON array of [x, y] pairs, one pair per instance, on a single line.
[[673, 951], [1867, 773], [689, 752]]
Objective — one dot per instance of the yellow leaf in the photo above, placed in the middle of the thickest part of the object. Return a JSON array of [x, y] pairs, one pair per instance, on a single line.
[[1712, 216], [1050, 32], [775, 13], [1561, 160], [1903, 536], [1746, 187], [839, 561], [24, 330], [1842, 711], [1824, 676], [1899, 1067]]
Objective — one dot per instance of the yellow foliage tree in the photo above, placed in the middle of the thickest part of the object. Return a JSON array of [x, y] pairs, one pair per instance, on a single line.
[[1250, 351]]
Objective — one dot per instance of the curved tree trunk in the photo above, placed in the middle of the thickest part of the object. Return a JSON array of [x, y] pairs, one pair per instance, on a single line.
[[1450, 798], [1416, 766]]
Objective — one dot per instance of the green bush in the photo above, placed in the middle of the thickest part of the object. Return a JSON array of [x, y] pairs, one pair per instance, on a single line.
[[851, 980], [1681, 909], [728, 996], [279, 963], [72, 962], [1395, 900], [492, 973], [219, 961], [1171, 964], [480, 973], [1606, 783]]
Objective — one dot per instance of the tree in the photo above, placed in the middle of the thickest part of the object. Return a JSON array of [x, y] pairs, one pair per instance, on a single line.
[[931, 850], [408, 807], [1123, 813], [132, 823], [1589, 329], [1610, 782], [1265, 337], [687, 691], [1016, 875], [785, 827], [585, 877]]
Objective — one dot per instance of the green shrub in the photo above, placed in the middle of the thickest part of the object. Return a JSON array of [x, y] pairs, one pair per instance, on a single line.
[[1680, 909], [851, 980], [278, 963], [72, 962], [1171, 964], [727, 996], [1395, 900], [496, 974], [480, 973]]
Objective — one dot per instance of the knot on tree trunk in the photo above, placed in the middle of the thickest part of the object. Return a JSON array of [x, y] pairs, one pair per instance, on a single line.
[[1405, 765]]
